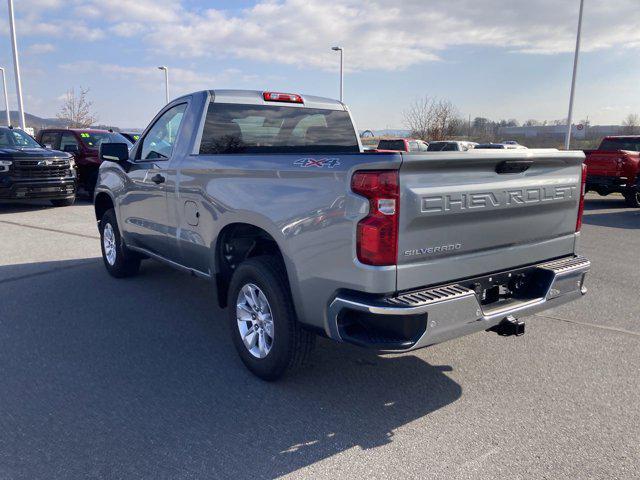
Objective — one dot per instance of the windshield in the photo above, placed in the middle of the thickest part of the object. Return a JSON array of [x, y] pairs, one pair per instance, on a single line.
[[231, 128], [15, 138], [391, 145], [95, 139], [612, 144]]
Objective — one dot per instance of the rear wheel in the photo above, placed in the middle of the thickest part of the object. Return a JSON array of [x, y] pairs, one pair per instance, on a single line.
[[262, 320], [63, 202], [118, 259], [632, 197]]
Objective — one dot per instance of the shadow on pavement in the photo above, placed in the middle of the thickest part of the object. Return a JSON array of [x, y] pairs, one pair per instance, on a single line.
[[137, 378], [13, 206]]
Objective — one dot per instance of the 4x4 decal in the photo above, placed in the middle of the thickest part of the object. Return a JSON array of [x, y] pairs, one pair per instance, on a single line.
[[317, 162]]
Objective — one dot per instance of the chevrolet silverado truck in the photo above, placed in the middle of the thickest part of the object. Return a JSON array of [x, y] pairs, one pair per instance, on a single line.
[[615, 167], [270, 197], [28, 171]]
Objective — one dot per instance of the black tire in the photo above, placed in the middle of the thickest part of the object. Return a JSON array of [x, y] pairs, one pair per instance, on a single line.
[[63, 202], [291, 344], [126, 263], [632, 197]]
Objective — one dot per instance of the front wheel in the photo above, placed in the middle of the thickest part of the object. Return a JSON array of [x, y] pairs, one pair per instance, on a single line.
[[262, 320], [632, 197], [118, 259]]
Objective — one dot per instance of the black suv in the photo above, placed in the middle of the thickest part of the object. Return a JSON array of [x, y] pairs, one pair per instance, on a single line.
[[30, 171]]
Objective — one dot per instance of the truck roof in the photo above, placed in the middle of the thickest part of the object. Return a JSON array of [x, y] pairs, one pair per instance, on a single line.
[[254, 97]]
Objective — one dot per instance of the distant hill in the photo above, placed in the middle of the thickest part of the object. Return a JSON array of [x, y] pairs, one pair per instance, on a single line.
[[32, 120], [38, 123], [390, 133]]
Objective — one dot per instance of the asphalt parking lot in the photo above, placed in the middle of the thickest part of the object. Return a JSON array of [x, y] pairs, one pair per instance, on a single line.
[[137, 378]]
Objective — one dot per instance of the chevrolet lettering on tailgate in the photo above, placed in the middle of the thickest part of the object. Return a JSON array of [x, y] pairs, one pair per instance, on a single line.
[[496, 200]]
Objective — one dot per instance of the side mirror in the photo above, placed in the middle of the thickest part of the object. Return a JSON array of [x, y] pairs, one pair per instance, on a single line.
[[48, 146], [71, 148], [114, 152]]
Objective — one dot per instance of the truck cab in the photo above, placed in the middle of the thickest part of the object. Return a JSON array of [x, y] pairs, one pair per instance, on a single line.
[[29, 171]]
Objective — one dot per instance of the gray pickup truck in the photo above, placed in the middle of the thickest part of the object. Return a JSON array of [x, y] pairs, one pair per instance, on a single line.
[[270, 196]]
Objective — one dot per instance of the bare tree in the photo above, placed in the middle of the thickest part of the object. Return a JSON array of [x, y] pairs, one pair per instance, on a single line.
[[630, 123], [419, 117], [429, 118], [446, 120], [76, 110]]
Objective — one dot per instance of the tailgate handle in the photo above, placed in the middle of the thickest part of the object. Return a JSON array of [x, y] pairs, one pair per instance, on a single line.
[[513, 166]]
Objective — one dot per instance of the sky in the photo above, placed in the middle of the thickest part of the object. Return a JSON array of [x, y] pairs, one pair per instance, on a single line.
[[491, 58]]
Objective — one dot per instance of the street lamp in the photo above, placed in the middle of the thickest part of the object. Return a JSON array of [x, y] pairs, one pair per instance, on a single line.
[[341, 50], [166, 81], [567, 141], [16, 64], [6, 97]]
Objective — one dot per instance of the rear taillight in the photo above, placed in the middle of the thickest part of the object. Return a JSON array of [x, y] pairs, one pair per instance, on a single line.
[[583, 187], [282, 97], [377, 233]]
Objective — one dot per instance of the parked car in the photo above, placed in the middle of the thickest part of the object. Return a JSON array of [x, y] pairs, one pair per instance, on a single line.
[[614, 168], [268, 195], [401, 145], [83, 144], [131, 136], [500, 146], [451, 146], [28, 171]]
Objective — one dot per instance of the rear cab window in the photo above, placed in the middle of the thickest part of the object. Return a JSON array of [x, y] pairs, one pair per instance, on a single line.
[[237, 129], [613, 144]]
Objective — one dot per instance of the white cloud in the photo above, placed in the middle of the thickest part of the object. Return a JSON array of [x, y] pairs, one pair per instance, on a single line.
[[376, 34], [40, 48], [182, 80], [389, 35]]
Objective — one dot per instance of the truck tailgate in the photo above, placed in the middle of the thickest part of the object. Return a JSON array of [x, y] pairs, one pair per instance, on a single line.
[[464, 214]]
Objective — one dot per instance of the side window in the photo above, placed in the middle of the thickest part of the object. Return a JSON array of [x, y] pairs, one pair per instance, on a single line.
[[159, 141], [413, 146], [450, 147], [50, 139], [68, 143]]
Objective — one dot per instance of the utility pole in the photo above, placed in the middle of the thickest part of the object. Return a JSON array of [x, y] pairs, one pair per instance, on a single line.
[[341, 50], [16, 64], [567, 142], [6, 96], [166, 82]]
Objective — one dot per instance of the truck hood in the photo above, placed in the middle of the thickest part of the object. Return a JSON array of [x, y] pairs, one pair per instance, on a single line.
[[9, 153]]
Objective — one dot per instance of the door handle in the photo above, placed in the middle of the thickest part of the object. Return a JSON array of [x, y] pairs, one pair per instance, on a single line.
[[157, 179], [513, 166]]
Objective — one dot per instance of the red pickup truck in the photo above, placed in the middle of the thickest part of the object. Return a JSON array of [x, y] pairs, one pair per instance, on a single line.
[[401, 145], [83, 144], [615, 167]]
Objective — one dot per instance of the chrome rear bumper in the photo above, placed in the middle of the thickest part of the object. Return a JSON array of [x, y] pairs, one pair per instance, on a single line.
[[451, 311]]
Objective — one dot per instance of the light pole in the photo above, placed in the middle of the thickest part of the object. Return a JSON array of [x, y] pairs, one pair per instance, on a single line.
[[166, 81], [567, 141], [341, 50], [6, 96], [16, 64]]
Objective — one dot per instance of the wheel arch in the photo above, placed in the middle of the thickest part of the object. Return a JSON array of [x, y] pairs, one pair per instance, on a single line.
[[102, 203], [237, 242]]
